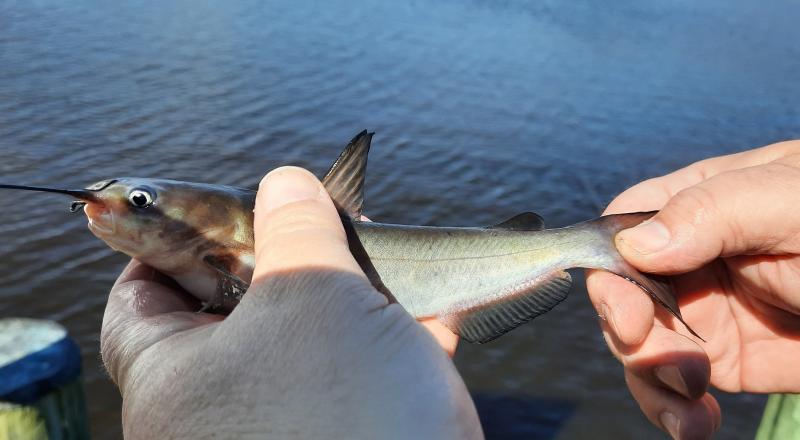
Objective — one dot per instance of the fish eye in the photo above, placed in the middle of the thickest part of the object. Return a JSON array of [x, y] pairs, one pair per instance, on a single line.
[[140, 198]]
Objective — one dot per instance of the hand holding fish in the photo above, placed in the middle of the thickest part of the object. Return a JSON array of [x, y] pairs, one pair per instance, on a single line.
[[312, 349], [728, 231]]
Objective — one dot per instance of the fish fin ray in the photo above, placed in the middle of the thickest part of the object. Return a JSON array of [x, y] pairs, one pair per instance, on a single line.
[[527, 221], [230, 288], [345, 179], [657, 287], [485, 323]]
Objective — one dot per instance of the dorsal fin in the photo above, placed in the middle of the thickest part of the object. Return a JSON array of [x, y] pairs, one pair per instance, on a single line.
[[527, 221], [345, 180]]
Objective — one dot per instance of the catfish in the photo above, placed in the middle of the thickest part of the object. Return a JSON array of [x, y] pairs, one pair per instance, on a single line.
[[480, 282]]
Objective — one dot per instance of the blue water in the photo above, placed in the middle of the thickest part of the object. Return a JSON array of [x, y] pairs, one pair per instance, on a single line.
[[482, 110]]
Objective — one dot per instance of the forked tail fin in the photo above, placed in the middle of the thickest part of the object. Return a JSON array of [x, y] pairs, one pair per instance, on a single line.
[[608, 258]]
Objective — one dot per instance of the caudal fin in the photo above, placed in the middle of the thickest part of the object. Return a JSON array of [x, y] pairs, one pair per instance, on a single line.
[[659, 288]]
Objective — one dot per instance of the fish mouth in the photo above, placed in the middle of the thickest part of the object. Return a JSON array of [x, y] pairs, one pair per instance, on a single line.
[[101, 219]]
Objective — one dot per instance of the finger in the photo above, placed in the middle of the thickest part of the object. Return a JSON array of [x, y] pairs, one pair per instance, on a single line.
[[680, 417], [669, 375], [635, 311], [654, 193], [143, 308], [735, 212], [667, 360], [446, 338], [297, 226], [140, 302], [770, 273], [626, 308]]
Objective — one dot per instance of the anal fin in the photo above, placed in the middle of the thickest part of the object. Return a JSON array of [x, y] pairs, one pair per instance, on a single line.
[[486, 322]]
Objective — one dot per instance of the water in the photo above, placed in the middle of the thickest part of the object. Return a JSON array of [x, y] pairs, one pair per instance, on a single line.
[[482, 110]]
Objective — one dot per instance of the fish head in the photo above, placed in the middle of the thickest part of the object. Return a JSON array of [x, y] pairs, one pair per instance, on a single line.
[[156, 219], [164, 223], [123, 213]]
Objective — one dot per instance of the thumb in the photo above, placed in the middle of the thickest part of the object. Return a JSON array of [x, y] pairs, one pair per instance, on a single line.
[[736, 212], [297, 227]]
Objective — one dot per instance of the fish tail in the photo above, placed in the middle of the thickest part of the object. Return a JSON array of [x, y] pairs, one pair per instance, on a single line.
[[604, 231]]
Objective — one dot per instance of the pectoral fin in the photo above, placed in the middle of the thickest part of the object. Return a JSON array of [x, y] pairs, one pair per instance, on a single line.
[[345, 180], [230, 288]]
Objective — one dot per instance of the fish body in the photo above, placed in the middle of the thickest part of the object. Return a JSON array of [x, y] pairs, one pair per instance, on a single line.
[[477, 266], [481, 282]]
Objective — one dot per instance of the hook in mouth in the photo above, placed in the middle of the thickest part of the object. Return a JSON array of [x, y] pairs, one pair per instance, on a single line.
[[77, 206]]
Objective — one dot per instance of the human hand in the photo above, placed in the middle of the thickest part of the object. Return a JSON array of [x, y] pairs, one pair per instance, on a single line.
[[728, 232], [312, 350]]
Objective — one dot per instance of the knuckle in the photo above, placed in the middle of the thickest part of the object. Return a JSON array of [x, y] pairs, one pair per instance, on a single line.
[[694, 205], [782, 177], [786, 148], [787, 165], [708, 228]]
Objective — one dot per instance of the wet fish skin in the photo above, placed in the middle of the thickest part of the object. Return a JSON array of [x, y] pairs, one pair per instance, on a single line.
[[480, 282], [187, 224], [455, 274]]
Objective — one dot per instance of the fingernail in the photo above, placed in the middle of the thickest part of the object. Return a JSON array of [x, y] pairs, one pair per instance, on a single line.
[[670, 423], [287, 185], [646, 238], [670, 375]]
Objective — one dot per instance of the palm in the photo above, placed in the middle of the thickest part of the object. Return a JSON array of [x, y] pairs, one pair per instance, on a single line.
[[744, 309]]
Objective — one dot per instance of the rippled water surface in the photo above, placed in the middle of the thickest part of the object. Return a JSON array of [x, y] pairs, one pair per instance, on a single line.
[[482, 110]]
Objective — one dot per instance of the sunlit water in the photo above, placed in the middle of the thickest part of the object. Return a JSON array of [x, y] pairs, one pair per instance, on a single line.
[[482, 110]]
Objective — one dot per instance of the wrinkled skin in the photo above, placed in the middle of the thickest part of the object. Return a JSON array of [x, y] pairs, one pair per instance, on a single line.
[[312, 350], [728, 230]]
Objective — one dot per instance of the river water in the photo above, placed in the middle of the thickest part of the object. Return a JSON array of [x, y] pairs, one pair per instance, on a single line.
[[482, 110]]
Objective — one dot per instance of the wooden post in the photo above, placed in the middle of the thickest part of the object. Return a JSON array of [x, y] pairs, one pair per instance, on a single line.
[[41, 395]]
